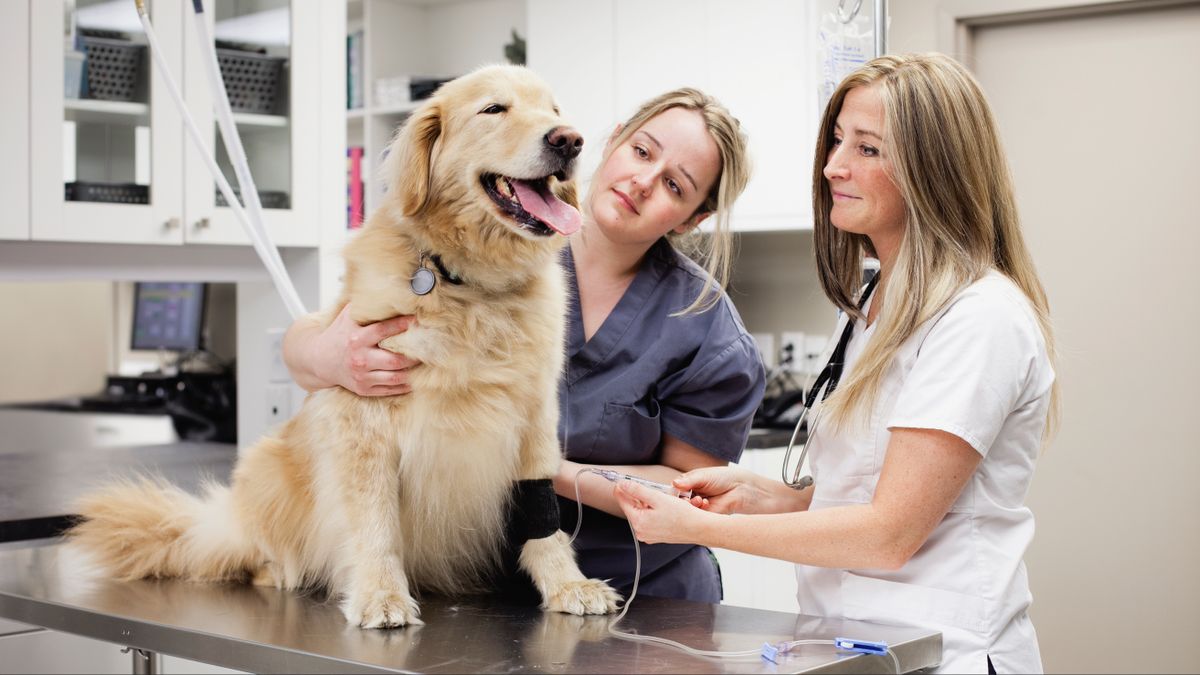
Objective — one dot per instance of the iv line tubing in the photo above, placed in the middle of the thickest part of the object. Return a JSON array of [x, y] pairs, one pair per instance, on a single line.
[[637, 573], [262, 246]]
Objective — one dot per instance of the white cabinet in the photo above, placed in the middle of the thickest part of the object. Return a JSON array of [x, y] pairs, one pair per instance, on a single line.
[[658, 45], [137, 147], [760, 65], [571, 47], [755, 581], [605, 57], [14, 120], [280, 144], [103, 142]]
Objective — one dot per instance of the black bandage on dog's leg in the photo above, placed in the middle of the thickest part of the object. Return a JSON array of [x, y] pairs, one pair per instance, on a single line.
[[535, 510]]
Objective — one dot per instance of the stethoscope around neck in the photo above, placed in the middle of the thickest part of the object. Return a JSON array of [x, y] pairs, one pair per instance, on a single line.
[[827, 381]]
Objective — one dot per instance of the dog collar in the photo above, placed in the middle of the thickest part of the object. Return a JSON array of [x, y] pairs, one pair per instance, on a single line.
[[441, 268], [424, 280]]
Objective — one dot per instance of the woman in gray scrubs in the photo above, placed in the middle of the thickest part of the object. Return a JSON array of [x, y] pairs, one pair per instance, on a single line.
[[661, 377]]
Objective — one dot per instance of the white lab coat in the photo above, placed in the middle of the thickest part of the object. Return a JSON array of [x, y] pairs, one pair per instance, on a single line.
[[980, 371]]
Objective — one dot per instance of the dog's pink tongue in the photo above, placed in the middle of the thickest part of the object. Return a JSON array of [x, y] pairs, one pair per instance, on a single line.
[[544, 206]]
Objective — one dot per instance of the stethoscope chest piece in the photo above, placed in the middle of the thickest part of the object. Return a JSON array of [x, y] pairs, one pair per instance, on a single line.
[[423, 281]]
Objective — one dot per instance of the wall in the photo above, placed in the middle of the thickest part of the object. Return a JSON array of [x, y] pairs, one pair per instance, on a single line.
[[57, 340], [472, 34], [774, 285]]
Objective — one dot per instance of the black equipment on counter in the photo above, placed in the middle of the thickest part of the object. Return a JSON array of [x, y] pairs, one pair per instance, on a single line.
[[202, 405]]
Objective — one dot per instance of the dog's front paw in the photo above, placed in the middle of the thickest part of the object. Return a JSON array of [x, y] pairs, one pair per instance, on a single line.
[[590, 596], [382, 609]]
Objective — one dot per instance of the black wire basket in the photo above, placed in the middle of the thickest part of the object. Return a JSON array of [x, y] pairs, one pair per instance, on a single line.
[[112, 193], [270, 199], [252, 80], [114, 68]]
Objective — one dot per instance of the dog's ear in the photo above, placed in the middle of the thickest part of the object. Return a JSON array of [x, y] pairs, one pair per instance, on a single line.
[[412, 157], [567, 192]]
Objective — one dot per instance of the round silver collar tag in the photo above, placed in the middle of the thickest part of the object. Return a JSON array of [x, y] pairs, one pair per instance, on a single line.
[[423, 281]]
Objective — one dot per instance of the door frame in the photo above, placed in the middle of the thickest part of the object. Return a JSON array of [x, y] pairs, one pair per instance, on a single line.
[[957, 19]]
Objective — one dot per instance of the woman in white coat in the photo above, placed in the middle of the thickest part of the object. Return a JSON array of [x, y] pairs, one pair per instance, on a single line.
[[923, 455]]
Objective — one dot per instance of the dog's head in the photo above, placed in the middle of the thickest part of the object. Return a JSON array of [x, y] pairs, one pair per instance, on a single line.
[[491, 150]]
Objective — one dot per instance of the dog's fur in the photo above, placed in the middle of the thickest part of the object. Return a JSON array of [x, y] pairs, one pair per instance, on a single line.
[[377, 498]]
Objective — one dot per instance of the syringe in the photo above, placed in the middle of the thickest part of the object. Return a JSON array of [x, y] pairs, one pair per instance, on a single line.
[[615, 476]]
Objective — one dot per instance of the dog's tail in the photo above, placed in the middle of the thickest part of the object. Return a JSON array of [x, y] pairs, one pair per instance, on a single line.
[[150, 529]]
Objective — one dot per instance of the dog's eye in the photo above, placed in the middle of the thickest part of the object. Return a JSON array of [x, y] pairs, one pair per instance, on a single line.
[[493, 109], [556, 112]]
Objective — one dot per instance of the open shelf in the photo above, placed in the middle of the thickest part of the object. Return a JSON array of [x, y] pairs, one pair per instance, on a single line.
[[397, 108], [257, 120], [106, 112]]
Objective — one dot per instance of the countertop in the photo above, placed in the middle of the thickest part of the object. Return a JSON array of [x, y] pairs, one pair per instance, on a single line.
[[762, 438], [266, 630], [38, 488]]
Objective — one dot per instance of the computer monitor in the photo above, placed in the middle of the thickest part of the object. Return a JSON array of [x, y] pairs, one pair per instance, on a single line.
[[168, 315]]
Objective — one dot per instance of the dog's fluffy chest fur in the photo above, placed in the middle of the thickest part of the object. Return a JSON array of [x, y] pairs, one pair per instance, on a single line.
[[490, 363]]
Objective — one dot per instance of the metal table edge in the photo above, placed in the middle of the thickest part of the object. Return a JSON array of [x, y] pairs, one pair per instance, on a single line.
[[194, 645]]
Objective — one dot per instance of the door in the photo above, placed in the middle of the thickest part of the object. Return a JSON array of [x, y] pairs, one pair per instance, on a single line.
[[1099, 116], [106, 139], [270, 55]]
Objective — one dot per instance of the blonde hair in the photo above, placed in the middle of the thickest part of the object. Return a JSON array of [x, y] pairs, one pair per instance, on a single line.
[[960, 213], [716, 257]]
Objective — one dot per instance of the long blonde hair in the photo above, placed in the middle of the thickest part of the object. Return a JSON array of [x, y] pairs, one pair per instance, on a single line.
[[714, 251], [960, 213]]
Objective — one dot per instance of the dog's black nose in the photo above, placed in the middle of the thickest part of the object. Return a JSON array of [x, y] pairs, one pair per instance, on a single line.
[[564, 142]]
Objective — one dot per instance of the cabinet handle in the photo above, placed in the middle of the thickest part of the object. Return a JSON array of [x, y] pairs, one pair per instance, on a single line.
[[171, 224], [201, 224]]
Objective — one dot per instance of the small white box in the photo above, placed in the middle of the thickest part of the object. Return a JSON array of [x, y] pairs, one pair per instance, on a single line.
[[766, 347]]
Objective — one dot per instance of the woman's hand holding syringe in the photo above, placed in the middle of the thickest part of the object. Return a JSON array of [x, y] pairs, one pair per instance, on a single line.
[[671, 490]]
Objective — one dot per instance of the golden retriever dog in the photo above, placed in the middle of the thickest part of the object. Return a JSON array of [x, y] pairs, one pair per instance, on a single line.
[[379, 498]]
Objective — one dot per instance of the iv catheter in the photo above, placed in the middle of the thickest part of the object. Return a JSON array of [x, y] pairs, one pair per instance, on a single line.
[[252, 223], [614, 476]]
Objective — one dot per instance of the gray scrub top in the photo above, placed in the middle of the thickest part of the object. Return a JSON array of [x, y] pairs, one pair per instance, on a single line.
[[644, 373]]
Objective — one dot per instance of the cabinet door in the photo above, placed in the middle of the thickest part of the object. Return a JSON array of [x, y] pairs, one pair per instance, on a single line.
[[14, 120], [571, 46], [762, 70], [274, 90], [660, 46], [104, 163]]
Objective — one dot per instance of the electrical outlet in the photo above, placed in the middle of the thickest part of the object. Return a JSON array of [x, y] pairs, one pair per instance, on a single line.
[[276, 369], [791, 350], [814, 346], [279, 403]]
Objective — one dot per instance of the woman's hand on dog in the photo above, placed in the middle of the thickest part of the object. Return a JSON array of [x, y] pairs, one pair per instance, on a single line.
[[348, 355]]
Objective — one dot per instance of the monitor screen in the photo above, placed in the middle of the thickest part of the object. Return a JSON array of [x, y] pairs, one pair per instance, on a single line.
[[168, 315]]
